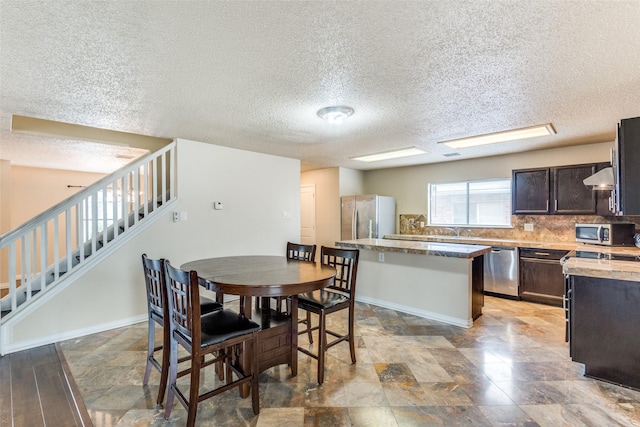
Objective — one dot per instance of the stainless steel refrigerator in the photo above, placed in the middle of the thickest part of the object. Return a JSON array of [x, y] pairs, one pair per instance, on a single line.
[[368, 216]]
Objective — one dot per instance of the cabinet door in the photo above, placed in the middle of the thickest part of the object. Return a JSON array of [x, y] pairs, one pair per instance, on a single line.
[[604, 328], [541, 281], [570, 195], [628, 164], [530, 191]]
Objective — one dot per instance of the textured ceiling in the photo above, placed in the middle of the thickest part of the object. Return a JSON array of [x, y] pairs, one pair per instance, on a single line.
[[252, 75]]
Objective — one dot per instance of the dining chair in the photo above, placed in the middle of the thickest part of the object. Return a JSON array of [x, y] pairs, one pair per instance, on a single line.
[[296, 252], [336, 297], [219, 335], [158, 310]]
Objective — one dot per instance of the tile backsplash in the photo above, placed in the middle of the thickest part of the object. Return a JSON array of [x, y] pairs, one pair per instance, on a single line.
[[546, 228]]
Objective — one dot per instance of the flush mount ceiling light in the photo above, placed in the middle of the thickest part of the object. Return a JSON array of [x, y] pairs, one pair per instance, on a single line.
[[335, 114], [509, 135], [404, 152]]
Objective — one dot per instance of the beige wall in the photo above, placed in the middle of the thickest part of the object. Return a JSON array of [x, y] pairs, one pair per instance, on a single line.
[[34, 190], [409, 184], [5, 218], [327, 184], [5, 193], [351, 182]]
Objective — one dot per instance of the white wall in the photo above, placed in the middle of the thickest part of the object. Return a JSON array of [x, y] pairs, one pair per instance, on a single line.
[[255, 189], [409, 184]]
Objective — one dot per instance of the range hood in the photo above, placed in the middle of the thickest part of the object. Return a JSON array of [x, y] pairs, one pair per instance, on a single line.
[[601, 180]]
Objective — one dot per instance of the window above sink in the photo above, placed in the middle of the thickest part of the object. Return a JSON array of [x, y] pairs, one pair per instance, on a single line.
[[484, 203]]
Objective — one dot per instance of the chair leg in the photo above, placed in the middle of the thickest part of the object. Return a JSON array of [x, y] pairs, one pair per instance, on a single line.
[[309, 327], [322, 346], [150, 346], [194, 391], [229, 360], [352, 344], [220, 366], [164, 370], [173, 375]]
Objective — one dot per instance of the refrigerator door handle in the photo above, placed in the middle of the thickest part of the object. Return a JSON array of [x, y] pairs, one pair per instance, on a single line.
[[354, 228]]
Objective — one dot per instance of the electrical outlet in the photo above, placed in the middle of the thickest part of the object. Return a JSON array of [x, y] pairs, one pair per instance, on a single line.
[[176, 216], [381, 256], [421, 224], [528, 226]]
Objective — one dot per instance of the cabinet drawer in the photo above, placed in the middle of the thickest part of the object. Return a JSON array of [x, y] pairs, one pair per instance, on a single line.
[[552, 254]]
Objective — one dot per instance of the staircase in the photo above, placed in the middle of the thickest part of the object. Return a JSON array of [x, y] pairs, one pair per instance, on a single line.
[[77, 232]]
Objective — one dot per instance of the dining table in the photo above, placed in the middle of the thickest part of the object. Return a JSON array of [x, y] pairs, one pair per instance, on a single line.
[[264, 276]]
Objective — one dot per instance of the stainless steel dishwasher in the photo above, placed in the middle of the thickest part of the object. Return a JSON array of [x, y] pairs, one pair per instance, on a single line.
[[501, 271]]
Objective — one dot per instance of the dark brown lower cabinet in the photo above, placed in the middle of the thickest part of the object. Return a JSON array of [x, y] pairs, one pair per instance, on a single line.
[[541, 278], [477, 285], [604, 323]]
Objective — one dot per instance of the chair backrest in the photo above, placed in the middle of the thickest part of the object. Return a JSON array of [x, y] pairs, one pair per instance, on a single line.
[[183, 295], [345, 261], [301, 252], [156, 289]]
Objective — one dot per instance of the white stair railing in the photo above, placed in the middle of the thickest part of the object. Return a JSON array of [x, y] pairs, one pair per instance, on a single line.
[[37, 254]]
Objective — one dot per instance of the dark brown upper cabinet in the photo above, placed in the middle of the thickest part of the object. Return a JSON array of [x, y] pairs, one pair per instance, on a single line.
[[554, 191], [570, 195], [530, 191]]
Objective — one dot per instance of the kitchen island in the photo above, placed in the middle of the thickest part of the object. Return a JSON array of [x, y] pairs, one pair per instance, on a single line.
[[602, 300], [439, 281]]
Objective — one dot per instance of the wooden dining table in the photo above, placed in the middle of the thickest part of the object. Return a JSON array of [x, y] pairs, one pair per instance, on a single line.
[[266, 276]]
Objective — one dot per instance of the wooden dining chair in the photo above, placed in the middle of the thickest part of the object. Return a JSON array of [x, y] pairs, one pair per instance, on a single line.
[[336, 297], [208, 339], [295, 252], [300, 252], [158, 310]]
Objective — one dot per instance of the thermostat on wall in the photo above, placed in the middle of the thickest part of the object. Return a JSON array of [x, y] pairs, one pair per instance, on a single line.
[[217, 206]]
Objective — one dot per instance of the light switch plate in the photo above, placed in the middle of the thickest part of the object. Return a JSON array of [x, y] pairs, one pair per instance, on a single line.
[[528, 226]]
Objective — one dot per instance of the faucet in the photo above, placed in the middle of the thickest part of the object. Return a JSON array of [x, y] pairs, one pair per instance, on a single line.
[[455, 230]]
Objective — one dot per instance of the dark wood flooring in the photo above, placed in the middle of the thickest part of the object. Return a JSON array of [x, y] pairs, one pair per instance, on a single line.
[[36, 389]]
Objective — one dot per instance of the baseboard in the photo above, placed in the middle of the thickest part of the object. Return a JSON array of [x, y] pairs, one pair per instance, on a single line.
[[76, 333], [420, 313]]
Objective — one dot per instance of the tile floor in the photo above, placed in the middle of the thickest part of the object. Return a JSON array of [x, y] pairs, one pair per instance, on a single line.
[[511, 369]]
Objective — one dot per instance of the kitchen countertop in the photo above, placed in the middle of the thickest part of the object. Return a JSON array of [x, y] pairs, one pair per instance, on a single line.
[[566, 246], [455, 250], [604, 268], [622, 270]]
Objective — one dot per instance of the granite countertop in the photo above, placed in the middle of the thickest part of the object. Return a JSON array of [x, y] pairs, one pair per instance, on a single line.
[[565, 246], [604, 268], [455, 250]]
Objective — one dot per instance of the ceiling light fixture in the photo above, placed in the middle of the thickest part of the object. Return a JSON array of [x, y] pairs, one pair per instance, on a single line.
[[335, 114], [509, 135], [404, 152]]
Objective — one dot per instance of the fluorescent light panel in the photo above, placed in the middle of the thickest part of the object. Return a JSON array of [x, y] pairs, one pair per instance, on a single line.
[[509, 135], [404, 152]]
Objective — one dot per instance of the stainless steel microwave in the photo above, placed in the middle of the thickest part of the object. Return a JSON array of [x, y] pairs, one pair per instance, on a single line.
[[612, 234]]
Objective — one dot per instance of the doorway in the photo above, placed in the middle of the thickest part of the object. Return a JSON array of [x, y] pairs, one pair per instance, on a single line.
[[308, 214]]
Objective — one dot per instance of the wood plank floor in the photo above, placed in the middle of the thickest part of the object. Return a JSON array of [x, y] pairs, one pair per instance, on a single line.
[[36, 389]]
